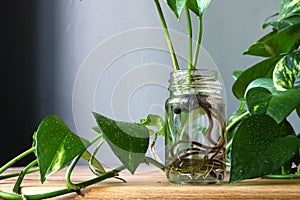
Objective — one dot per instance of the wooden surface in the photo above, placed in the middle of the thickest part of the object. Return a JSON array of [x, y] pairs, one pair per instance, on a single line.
[[152, 184]]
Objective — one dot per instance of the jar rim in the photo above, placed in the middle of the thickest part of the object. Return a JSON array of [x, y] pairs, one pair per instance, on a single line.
[[186, 81]]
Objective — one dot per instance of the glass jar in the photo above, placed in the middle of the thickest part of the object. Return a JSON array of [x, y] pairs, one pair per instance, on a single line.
[[195, 128]]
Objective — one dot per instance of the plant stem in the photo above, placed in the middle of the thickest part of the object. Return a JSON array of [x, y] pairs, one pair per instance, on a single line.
[[18, 174], [104, 176], [167, 35], [17, 158], [92, 158], [16, 188], [190, 36], [96, 138], [198, 44], [238, 119], [154, 162]]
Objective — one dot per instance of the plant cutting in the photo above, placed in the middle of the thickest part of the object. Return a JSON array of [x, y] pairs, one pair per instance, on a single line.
[[195, 110], [261, 140]]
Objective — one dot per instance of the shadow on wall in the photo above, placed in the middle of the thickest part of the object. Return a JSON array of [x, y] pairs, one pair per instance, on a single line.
[[21, 71]]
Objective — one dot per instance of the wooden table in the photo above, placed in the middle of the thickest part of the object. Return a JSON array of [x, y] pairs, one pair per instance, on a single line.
[[151, 183]]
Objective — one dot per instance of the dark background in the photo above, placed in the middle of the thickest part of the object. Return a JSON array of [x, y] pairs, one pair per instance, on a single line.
[[22, 76]]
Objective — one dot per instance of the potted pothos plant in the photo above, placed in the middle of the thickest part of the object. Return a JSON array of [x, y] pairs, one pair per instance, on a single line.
[[261, 140]]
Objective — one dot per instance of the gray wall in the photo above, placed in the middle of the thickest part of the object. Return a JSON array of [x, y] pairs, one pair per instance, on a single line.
[[102, 51]]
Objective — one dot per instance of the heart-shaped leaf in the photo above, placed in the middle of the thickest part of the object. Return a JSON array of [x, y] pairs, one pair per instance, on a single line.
[[264, 83], [155, 121], [263, 69], [276, 43], [261, 101], [287, 70], [129, 141], [260, 148], [176, 6], [56, 145]]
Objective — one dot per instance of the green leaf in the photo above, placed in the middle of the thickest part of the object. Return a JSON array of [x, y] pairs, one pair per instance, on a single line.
[[266, 24], [234, 118], [292, 20], [236, 74], [258, 100], [288, 8], [266, 83], [155, 121], [287, 70], [198, 6], [202, 5], [129, 141], [193, 6], [263, 69], [176, 6], [87, 156], [259, 49], [56, 145], [276, 43], [259, 148], [297, 82], [261, 101], [298, 110]]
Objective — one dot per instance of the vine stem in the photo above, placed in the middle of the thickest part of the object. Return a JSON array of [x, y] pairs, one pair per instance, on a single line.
[[106, 175], [17, 158], [152, 161], [16, 188], [190, 36], [198, 44], [167, 35], [238, 119]]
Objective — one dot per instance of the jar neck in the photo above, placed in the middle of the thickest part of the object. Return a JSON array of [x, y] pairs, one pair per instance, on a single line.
[[203, 81]]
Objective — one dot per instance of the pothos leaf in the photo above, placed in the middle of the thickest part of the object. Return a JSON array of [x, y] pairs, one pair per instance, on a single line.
[[198, 6], [284, 23], [129, 141], [263, 69], [266, 83], [56, 145], [260, 148], [286, 72], [297, 82], [202, 5], [236, 74], [88, 156], [261, 101], [275, 43], [155, 121], [288, 8], [176, 6]]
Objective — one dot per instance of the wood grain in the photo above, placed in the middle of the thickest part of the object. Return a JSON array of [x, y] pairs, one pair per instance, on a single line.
[[151, 183]]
